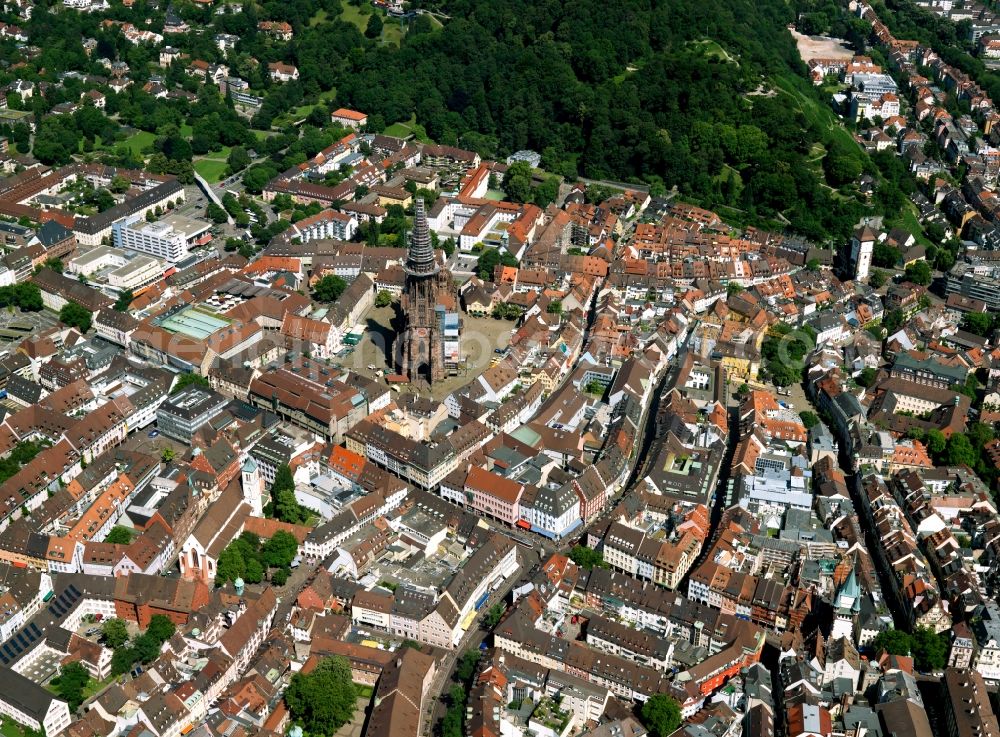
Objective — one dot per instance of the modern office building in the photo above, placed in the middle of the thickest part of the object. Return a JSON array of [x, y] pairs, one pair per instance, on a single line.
[[964, 280], [182, 415], [169, 238]]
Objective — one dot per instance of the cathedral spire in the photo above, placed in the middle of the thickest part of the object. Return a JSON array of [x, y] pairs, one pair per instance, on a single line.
[[420, 259]]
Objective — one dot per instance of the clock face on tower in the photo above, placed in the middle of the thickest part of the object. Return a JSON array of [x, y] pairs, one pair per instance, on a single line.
[[421, 332]]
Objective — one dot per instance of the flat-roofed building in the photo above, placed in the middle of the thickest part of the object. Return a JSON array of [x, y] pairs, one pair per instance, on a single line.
[[119, 269], [169, 238], [182, 415]]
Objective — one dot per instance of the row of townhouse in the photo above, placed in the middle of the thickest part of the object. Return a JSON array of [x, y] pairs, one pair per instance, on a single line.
[[76, 442], [650, 557], [440, 620], [322, 541], [629, 664], [913, 584]]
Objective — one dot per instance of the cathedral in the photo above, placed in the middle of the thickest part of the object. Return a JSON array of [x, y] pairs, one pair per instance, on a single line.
[[428, 347]]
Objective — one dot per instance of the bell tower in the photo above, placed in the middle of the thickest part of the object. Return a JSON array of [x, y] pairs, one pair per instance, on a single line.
[[420, 349], [253, 487]]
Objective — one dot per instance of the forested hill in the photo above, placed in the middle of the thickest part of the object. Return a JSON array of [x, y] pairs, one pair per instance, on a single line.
[[709, 96], [653, 90]]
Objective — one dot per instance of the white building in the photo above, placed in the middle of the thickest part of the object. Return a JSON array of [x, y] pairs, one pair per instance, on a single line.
[[27, 703], [253, 486], [552, 512], [118, 269], [862, 247], [169, 238], [325, 224]]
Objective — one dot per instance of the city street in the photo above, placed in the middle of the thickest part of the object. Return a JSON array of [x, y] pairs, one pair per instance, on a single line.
[[472, 639]]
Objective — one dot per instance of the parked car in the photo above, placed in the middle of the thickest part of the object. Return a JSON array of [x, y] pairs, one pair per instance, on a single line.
[[153, 433]]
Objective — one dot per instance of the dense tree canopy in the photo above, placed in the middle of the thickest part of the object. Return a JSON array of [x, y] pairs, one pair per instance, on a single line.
[[114, 632], [76, 316], [489, 259], [124, 300], [250, 558], [708, 97], [784, 352], [661, 715], [892, 641], [586, 557], [22, 453], [322, 700], [26, 296], [919, 273], [980, 323], [673, 97], [119, 535], [146, 647], [928, 648], [190, 379], [329, 288], [69, 684]]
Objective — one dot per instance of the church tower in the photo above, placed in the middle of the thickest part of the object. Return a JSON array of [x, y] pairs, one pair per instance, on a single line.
[[846, 606], [420, 348], [253, 487]]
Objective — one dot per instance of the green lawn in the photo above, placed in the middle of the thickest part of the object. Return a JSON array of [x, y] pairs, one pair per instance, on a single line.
[[408, 128], [398, 130], [730, 174], [813, 110], [392, 31], [213, 170], [908, 221], [97, 145], [713, 50], [631, 69], [286, 119], [10, 728], [353, 14], [319, 17], [301, 112], [186, 131], [94, 686], [138, 141], [365, 691], [222, 154]]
